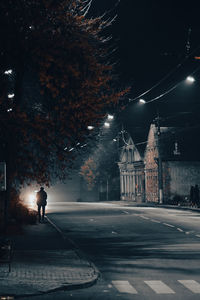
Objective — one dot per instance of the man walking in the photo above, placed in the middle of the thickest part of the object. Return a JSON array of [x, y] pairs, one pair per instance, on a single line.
[[41, 198]]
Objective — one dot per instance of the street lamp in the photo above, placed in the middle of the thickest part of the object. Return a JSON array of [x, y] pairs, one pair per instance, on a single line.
[[90, 127], [107, 125], [142, 101], [10, 96], [190, 79], [8, 72], [110, 117]]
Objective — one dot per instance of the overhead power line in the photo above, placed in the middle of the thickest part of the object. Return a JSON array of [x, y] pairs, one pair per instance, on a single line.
[[166, 76]]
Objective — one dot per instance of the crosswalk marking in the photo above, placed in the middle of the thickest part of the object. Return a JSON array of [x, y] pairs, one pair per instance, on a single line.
[[192, 285], [124, 287], [159, 287]]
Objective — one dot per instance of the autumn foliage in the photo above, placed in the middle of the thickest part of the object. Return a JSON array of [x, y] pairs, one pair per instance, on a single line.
[[59, 56], [89, 172]]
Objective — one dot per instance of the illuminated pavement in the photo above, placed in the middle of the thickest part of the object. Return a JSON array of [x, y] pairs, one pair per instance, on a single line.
[[44, 262], [141, 252]]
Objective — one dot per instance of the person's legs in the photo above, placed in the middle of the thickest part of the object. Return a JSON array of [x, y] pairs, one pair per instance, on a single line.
[[43, 212], [39, 213]]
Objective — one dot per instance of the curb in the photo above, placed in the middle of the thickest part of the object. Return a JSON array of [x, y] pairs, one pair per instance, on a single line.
[[129, 204], [62, 287], [79, 253]]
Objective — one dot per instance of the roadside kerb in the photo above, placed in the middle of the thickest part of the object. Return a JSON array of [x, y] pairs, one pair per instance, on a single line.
[[79, 253]]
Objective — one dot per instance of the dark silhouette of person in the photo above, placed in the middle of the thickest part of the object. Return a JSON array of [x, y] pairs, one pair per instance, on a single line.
[[196, 195], [192, 203], [41, 198]]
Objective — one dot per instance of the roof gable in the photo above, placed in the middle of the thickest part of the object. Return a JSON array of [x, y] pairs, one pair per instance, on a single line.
[[130, 153]]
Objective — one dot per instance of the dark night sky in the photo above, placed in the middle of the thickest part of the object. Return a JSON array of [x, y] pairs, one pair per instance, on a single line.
[[151, 38]]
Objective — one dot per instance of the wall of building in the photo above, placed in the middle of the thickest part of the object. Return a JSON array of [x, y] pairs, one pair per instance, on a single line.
[[179, 176], [151, 174]]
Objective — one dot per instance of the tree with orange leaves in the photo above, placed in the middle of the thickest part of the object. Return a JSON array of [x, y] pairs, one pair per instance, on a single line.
[[61, 83]]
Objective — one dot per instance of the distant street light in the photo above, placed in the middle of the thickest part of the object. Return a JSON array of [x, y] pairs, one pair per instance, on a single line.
[[10, 96], [110, 117], [90, 127], [8, 72], [190, 79], [107, 125], [142, 101]]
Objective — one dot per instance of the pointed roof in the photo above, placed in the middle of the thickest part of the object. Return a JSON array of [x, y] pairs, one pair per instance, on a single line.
[[138, 149]]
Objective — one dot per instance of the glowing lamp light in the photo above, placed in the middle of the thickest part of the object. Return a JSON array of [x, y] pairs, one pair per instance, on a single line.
[[142, 101], [31, 198], [106, 124], [83, 145], [10, 96], [90, 127], [110, 117], [8, 72], [190, 79]]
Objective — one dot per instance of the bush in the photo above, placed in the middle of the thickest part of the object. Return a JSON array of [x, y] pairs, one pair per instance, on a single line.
[[19, 212]]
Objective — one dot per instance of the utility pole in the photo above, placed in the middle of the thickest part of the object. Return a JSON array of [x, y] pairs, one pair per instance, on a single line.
[[160, 173]]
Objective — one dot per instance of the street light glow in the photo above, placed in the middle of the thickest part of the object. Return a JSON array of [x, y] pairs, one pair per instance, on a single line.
[[8, 72], [10, 96], [90, 127], [190, 79], [142, 101], [83, 145], [107, 125], [110, 117]]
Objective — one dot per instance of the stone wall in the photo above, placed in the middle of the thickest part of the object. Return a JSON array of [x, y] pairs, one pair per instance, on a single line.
[[178, 176]]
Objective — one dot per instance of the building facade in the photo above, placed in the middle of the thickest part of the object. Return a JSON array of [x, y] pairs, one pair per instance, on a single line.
[[180, 166], [131, 167]]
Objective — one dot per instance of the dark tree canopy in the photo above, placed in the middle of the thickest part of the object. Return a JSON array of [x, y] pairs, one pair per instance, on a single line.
[[60, 57]]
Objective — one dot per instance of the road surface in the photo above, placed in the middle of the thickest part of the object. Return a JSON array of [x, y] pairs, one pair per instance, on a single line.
[[141, 252]]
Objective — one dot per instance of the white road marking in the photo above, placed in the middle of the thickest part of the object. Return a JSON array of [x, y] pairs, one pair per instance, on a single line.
[[192, 285], [169, 225], [155, 221], [143, 217], [179, 229], [114, 232], [126, 212], [124, 287], [198, 235], [159, 287]]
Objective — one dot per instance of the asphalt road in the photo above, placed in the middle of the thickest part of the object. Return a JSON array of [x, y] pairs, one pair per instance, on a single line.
[[142, 253]]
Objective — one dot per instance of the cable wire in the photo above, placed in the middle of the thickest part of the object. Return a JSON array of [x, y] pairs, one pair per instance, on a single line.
[[166, 76]]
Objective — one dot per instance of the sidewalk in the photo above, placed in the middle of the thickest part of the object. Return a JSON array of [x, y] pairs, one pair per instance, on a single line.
[[43, 261]]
